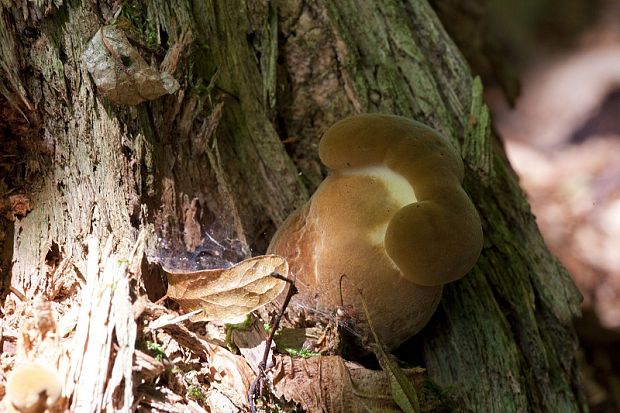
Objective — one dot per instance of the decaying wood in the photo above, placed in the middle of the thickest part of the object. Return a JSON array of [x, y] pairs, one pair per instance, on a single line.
[[210, 160]]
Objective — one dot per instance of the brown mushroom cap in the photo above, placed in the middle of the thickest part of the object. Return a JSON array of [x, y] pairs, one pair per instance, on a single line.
[[391, 215], [32, 388]]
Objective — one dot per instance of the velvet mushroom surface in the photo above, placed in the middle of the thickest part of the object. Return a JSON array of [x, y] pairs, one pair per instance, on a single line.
[[391, 217]]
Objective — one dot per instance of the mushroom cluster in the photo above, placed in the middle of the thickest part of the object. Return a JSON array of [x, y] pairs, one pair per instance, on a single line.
[[391, 216]]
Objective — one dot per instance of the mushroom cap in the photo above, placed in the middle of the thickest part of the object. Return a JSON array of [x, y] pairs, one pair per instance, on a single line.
[[32, 387], [391, 215]]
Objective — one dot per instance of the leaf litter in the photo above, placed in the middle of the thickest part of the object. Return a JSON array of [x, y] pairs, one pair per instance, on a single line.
[[117, 350]]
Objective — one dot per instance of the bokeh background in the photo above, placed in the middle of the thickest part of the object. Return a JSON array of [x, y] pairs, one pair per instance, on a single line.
[[552, 74]]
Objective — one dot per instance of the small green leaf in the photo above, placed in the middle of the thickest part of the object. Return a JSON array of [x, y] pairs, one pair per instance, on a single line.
[[159, 350]]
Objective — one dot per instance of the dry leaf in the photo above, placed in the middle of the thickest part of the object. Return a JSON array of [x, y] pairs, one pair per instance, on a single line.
[[232, 375], [229, 374], [331, 384], [228, 294], [251, 342], [108, 51]]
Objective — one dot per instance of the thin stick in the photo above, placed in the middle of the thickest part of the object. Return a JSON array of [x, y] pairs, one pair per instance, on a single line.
[[19, 294], [261, 376]]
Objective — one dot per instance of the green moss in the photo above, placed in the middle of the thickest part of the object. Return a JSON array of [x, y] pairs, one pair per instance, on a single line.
[[134, 14], [195, 392], [436, 399], [126, 61], [301, 352]]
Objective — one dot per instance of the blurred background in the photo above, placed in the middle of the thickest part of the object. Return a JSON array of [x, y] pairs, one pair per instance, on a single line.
[[551, 69]]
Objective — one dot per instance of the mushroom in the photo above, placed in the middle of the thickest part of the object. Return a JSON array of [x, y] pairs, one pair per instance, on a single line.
[[392, 216], [33, 388]]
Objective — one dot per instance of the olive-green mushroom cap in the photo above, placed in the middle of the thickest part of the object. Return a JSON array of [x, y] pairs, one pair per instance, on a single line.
[[436, 239]]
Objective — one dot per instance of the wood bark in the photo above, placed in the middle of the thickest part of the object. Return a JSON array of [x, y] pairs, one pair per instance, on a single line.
[[233, 152]]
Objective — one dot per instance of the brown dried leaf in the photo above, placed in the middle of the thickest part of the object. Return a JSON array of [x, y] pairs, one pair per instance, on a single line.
[[330, 384], [136, 82], [231, 375], [231, 293], [251, 342]]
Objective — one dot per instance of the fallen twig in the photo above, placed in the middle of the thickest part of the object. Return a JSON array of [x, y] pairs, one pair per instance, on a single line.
[[259, 381]]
